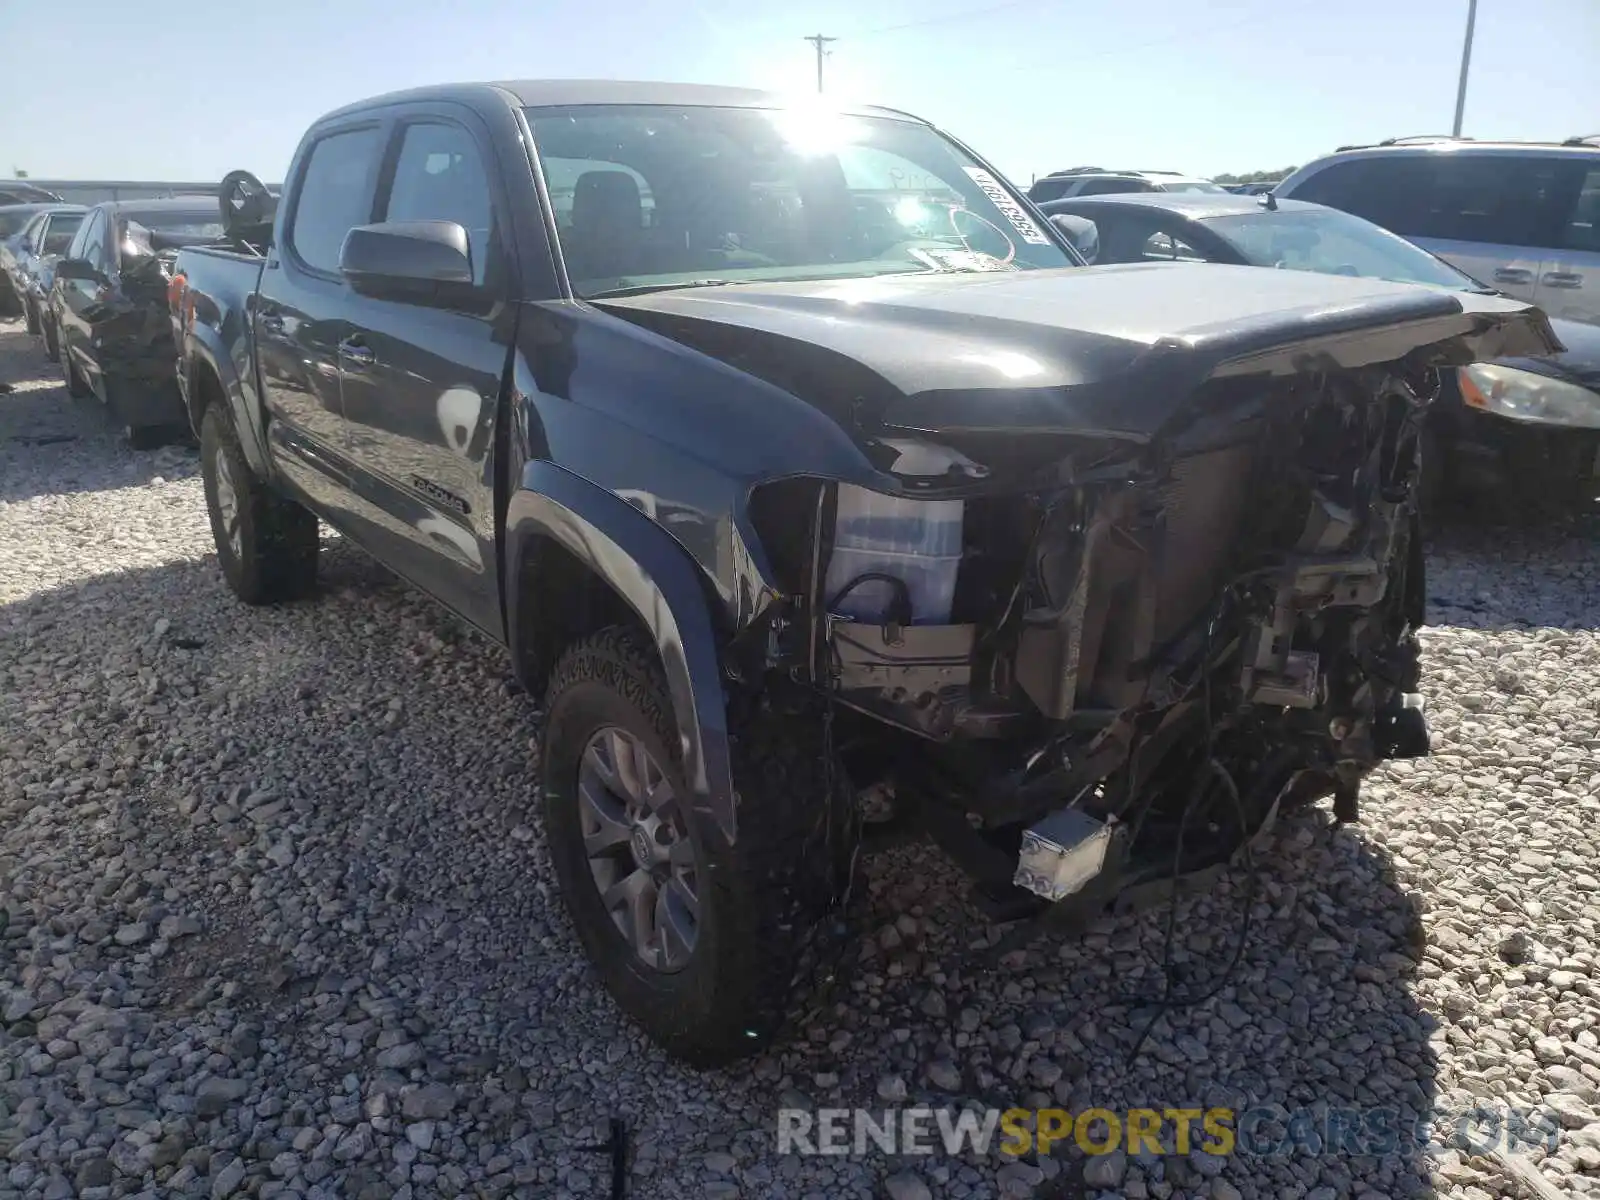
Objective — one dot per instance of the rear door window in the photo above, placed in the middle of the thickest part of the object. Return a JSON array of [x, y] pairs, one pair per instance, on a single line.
[[1581, 230], [335, 195], [59, 233]]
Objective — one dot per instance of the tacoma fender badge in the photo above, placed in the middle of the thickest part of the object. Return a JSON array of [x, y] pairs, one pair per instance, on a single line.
[[439, 495]]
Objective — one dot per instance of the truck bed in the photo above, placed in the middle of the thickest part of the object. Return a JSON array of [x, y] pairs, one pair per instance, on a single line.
[[211, 300]]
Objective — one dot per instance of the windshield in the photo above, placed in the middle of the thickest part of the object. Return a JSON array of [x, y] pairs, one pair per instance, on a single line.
[[204, 223], [1193, 185], [1334, 243], [662, 196]]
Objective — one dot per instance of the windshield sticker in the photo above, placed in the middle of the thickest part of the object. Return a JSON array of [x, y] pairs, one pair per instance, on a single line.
[[1020, 220]]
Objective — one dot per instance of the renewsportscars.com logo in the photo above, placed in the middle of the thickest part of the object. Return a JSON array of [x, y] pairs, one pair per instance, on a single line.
[[1267, 1131]]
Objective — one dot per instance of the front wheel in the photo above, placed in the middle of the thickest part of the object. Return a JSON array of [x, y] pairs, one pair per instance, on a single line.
[[30, 316], [705, 944], [267, 544], [52, 346]]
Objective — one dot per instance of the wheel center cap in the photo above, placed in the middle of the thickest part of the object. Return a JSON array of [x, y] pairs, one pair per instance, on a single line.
[[643, 849]]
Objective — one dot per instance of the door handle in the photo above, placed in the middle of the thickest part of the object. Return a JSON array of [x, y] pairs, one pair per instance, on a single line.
[[1562, 279], [1513, 275], [356, 352]]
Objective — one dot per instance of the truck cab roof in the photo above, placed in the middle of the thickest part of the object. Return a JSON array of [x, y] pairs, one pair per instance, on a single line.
[[558, 93]]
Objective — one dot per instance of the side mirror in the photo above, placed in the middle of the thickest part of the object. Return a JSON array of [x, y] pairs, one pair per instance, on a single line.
[[1081, 232], [407, 258], [78, 268]]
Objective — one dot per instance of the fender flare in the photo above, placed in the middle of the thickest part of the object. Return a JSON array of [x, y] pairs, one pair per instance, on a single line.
[[658, 580], [204, 349]]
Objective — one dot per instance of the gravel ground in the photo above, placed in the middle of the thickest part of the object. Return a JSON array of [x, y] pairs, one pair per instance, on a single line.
[[281, 920]]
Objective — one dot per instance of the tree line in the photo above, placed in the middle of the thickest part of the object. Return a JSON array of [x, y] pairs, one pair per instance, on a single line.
[[1256, 176]]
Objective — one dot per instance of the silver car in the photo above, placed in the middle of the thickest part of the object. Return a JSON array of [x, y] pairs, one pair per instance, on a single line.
[[1522, 216]]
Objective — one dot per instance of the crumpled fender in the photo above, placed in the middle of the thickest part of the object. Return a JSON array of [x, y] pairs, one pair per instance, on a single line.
[[661, 583]]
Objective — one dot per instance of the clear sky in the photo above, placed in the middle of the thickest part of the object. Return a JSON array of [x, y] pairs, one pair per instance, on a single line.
[[151, 89]]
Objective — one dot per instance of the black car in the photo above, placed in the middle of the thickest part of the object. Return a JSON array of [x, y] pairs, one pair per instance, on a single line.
[[1527, 427], [29, 260], [13, 219], [793, 457], [107, 313]]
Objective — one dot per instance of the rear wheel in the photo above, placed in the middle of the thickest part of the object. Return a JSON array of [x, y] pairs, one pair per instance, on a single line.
[[30, 315], [267, 544], [52, 347], [706, 945]]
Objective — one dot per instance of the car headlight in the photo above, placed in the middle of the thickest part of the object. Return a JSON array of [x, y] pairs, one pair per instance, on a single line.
[[1528, 396]]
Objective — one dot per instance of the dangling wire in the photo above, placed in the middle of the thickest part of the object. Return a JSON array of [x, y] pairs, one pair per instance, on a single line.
[[1211, 770]]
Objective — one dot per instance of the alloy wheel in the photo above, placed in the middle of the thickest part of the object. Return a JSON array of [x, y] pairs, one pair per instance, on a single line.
[[228, 503], [637, 841]]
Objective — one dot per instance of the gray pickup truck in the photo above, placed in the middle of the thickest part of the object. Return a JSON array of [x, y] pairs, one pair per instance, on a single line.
[[799, 463]]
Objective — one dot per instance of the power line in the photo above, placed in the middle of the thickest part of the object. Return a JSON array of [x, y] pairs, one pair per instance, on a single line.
[[819, 41]]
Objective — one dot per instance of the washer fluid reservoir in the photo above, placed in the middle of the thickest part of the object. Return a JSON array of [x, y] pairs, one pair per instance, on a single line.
[[917, 542]]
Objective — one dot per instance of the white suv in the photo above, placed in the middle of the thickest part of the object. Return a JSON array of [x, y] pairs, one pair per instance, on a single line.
[[1093, 181], [1522, 217]]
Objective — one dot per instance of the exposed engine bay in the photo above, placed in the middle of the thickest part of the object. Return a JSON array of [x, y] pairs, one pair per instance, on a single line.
[[1088, 664]]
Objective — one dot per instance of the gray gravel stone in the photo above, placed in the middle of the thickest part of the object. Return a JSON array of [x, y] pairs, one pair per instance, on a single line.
[[277, 881], [226, 1181], [432, 1101], [1105, 1170]]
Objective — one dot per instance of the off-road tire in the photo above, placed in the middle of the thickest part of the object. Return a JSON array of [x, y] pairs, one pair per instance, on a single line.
[[770, 903], [278, 539], [138, 437], [30, 316], [52, 347], [76, 387]]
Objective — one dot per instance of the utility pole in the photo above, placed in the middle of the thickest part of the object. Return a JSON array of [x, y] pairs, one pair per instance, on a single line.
[[819, 42], [1466, 61]]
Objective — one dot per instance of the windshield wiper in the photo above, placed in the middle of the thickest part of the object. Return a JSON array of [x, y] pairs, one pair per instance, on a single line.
[[639, 289]]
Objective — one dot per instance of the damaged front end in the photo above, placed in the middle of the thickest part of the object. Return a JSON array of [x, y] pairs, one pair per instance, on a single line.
[[1087, 663]]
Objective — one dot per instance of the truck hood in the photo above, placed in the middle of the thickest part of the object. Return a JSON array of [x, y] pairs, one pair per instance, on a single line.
[[1112, 351]]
